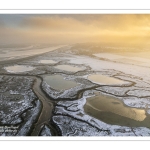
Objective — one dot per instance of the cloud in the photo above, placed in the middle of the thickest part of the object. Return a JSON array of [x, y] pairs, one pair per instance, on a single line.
[[56, 24], [76, 28], [2, 24], [89, 24]]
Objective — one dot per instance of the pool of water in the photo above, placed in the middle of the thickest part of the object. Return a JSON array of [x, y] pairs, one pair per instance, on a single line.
[[58, 82], [68, 68], [104, 80], [112, 111], [47, 62], [18, 68]]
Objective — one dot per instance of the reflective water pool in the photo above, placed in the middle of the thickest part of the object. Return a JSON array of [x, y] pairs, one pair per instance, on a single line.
[[58, 82], [47, 62], [104, 80], [18, 68], [112, 111]]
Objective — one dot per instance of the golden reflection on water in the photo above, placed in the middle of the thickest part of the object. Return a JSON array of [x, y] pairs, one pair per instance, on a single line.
[[101, 79], [110, 104], [58, 82]]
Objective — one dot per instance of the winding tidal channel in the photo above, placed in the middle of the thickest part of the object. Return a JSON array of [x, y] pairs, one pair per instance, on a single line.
[[47, 108], [108, 114], [102, 107], [47, 105]]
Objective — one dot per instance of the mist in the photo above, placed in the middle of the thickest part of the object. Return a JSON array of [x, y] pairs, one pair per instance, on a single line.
[[68, 29]]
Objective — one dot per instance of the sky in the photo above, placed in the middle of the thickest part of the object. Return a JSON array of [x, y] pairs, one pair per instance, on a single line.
[[68, 29]]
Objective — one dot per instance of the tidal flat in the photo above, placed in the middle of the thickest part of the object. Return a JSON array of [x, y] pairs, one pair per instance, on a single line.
[[61, 92]]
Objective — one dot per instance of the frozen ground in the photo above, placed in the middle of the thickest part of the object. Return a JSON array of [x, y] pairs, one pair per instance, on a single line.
[[17, 68], [124, 59], [45, 131], [71, 93], [19, 107], [73, 121], [69, 118], [135, 95]]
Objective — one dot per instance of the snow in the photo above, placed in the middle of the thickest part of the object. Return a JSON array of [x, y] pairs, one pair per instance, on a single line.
[[13, 92], [47, 61], [18, 68], [148, 111], [17, 103], [139, 82], [70, 93], [72, 127], [125, 59], [45, 131], [139, 93], [30, 120], [98, 65], [114, 90], [141, 131], [136, 102], [70, 117]]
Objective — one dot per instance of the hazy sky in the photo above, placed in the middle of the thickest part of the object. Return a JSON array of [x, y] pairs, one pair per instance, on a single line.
[[74, 28]]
